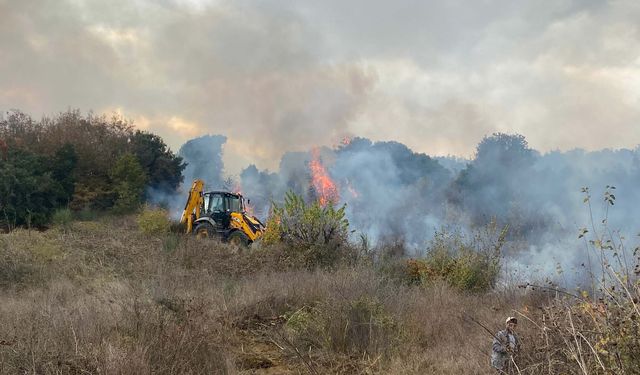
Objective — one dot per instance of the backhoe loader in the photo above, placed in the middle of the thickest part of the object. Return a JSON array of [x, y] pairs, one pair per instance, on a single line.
[[220, 214]]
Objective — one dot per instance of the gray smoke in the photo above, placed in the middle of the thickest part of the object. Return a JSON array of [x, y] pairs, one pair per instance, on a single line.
[[203, 156], [203, 159], [305, 73], [392, 192]]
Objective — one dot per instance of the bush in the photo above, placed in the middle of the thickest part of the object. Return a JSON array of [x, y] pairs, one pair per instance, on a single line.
[[16, 267], [463, 265], [317, 234], [86, 214], [171, 242], [62, 217], [356, 327], [154, 221], [273, 233]]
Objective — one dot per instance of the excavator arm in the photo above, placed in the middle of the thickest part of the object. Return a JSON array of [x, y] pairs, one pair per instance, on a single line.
[[194, 203]]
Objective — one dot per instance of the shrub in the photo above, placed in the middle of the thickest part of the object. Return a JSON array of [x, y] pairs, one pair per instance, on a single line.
[[273, 233], [464, 265], [355, 327], [317, 233], [171, 242], [154, 221], [62, 217], [16, 267], [86, 214], [177, 227]]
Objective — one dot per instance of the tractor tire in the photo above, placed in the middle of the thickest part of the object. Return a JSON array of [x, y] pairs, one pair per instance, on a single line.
[[238, 239], [205, 230]]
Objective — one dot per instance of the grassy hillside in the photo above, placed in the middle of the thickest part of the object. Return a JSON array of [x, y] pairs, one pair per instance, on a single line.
[[103, 297]]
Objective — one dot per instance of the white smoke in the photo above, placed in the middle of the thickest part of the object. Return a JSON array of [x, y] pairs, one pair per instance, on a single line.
[[394, 193]]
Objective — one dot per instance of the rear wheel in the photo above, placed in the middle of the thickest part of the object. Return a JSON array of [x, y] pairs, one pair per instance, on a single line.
[[204, 230], [238, 239]]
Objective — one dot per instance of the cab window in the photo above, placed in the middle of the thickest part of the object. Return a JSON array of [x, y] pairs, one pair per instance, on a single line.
[[215, 203], [233, 204]]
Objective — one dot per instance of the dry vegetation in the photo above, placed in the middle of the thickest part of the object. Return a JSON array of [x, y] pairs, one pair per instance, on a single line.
[[105, 297]]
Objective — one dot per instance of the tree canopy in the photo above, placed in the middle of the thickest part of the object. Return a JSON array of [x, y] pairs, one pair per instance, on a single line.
[[70, 160]]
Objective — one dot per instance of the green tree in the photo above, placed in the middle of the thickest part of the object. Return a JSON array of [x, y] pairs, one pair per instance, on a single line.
[[28, 193], [129, 181], [62, 170], [162, 166], [80, 152]]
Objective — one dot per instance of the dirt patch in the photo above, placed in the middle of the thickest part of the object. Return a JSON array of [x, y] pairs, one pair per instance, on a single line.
[[261, 351]]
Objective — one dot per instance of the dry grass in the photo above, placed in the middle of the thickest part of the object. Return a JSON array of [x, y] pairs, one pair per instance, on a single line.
[[101, 297]]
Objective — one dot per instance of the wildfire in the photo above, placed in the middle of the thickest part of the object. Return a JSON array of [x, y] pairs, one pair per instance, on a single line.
[[322, 183]]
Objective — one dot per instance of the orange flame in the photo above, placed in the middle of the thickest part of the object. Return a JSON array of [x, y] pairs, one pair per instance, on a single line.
[[322, 183]]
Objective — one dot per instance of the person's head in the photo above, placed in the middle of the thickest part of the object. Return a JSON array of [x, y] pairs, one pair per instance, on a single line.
[[511, 323]]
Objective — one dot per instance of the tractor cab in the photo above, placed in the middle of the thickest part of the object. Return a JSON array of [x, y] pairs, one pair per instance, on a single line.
[[220, 204]]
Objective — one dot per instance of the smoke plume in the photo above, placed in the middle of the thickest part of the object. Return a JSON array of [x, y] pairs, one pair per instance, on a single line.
[[393, 192]]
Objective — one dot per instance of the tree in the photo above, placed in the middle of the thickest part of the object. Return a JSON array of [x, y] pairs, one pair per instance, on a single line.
[[80, 151], [491, 185], [411, 166], [62, 171], [18, 130], [28, 194], [128, 180], [504, 151], [162, 166]]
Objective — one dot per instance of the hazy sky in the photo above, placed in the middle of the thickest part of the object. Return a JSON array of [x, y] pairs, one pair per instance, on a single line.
[[279, 75]]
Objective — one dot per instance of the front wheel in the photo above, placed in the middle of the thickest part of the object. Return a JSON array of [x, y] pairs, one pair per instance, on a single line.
[[204, 230], [238, 239]]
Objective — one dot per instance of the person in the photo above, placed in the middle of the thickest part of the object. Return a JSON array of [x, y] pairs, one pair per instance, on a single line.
[[505, 345]]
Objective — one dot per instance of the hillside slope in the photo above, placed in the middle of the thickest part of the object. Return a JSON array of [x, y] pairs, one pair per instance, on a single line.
[[101, 297]]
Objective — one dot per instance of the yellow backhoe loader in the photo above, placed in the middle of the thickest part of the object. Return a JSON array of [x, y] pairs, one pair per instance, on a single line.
[[220, 214]]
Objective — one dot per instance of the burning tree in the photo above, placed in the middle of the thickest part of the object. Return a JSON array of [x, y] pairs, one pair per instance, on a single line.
[[324, 187]]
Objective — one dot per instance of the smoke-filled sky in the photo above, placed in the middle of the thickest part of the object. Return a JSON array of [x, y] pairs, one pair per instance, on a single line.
[[275, 75]]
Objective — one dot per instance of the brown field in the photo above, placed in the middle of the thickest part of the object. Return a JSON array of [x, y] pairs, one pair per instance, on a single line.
[[100, 297]]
